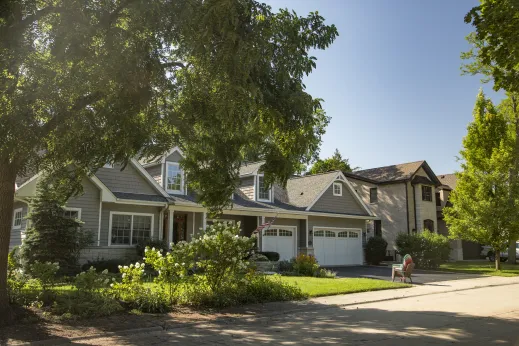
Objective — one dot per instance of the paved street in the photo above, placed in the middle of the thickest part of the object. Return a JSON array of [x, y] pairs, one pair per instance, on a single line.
[[480, 316], [384, 273]]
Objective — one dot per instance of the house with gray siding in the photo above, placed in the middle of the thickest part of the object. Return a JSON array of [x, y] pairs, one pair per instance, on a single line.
[[318, 214]]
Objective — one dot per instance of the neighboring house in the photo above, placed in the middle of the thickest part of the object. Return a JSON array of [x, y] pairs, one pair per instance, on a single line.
[[401, 196], [461, 249], [317, 214]]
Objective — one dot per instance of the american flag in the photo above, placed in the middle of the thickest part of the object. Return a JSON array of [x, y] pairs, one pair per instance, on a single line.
[[265, 225]]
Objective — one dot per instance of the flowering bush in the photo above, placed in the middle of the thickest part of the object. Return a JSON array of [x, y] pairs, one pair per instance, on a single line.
[[221, 254], [172, 267], [131, 283], [306, 265], [91, 281]]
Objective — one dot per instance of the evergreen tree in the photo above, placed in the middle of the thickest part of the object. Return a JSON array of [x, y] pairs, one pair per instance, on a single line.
[[53, 236], [482, 209]]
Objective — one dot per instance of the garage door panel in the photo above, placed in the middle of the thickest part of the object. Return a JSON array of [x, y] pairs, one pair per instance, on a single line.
[[338, 246], [280, 240]]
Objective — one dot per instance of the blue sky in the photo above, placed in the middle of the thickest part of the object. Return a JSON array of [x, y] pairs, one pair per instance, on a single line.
[[391, 81]]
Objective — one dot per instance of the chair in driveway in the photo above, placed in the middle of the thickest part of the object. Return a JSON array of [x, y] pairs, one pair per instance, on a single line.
[[404, 270]]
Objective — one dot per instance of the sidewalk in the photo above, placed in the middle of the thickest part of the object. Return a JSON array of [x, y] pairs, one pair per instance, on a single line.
[[256, 313]]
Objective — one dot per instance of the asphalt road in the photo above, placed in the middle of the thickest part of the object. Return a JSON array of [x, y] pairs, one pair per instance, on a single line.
[[384, 273]]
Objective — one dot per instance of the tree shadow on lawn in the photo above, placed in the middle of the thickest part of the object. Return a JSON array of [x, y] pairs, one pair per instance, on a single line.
[[307, 323]]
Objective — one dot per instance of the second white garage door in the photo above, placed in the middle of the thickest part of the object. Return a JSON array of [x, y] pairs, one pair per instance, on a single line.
[[338, 246]]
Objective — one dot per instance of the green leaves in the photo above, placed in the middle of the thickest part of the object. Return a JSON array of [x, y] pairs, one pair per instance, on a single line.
[[334, 163]]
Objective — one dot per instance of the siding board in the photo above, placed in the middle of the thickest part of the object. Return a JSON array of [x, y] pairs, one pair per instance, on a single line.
[[128, 180], [346, 204]]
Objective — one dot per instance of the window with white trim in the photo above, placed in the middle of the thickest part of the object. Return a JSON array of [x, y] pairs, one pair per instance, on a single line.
[[174, 178], [263, 193], [329, 234], [285, 233], [354, 234], [72, 213], [337, 189], [271, 232], [343, 234], [319, 234], [17, 218], [130, 229]]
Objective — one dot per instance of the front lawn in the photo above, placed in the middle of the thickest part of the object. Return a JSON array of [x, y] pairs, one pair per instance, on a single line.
[[481, 267], [317, 287]]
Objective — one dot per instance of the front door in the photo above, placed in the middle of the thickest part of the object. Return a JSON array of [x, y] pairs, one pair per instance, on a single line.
[[179, 228]]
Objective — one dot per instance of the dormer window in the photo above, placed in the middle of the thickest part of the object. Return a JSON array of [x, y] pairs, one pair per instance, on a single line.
[[337, 189], [174, 178], [264, 194]]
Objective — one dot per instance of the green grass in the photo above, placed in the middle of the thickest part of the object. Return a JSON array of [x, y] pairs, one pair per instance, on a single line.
[[481, 267], [317, 287]]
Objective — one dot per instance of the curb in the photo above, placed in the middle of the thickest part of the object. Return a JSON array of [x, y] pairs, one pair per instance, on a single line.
[[309, 306]]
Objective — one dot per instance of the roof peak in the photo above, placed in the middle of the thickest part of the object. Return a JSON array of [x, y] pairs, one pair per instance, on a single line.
[[397, 164]]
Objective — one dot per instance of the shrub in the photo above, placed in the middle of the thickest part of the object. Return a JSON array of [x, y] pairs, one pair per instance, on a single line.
[[150, 301], [91, 281], [271, 255], [131, 282], [252, 289], [325, 273], [85, 305], [286, 266], [112, 265], [172, 267], [53, 237], [151, 243], [44, 273], [306, 265], [376, 250], [258, 258], [221, 254], [427, 249]]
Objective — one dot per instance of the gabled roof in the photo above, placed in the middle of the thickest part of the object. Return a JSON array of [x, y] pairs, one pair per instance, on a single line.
[[151, 161], [251, 168], [448, 180], [302, 191], [394, 173]]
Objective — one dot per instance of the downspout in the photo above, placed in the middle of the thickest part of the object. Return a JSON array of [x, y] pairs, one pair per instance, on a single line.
[[407, 206], [414, 202]]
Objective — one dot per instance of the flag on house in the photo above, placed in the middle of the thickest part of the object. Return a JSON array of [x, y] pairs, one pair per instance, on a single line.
[[264, 225]]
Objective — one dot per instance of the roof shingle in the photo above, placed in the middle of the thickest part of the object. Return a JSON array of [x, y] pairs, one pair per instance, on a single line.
[[251, 168], [448, 180], [302, 191], [391, 173]]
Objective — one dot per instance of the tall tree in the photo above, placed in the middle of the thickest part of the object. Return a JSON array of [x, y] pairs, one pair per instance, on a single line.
[[494, 55], [86, 83], [482, 210], [334, 163]]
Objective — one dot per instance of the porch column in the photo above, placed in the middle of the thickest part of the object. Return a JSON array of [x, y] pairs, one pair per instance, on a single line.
[[194, 221], [204, 220], [161, 224], [170, 233], [260, 239]]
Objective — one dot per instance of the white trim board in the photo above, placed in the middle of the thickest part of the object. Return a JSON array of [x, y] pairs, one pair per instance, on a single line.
[[149, 178]]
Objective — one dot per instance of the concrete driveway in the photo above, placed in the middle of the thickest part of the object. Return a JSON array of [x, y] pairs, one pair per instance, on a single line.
[[384, 273]]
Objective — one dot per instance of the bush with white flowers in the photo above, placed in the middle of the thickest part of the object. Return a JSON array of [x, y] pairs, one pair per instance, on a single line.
[[91, 281], [221, 255], [131, 283], [172, 267]]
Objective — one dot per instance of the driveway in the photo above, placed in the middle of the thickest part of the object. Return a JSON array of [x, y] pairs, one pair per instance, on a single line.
[[384, 273]]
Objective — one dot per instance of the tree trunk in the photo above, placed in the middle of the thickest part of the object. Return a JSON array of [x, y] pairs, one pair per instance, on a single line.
[[7, 182], [497, 258], [512, 258], [514, 177]]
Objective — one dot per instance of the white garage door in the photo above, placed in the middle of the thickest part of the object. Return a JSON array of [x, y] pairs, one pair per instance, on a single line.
[[338, 246], [281, 240]]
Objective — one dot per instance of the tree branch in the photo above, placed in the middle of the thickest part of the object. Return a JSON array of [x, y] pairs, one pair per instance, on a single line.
[[173, 64]]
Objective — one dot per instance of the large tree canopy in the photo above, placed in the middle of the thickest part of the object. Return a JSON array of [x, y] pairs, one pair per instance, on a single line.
[[494, 55], [334, 163], [483, 210], [86, 83]]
